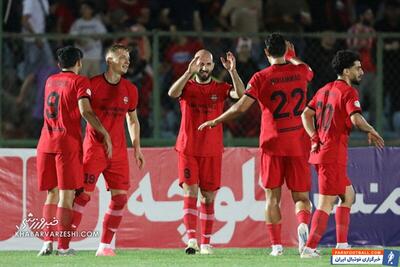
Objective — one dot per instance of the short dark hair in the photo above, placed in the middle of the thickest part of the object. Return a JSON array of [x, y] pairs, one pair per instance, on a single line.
[[344, 59], [68, 56], [275, 44]]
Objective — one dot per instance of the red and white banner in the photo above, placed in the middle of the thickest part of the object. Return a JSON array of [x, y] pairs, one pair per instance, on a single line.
[[153, 216]]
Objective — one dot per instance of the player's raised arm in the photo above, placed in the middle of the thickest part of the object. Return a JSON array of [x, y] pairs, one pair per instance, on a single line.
[[230, 65], [134, 133], [373, 136], [176, 89], [234, 111], [88, 114]]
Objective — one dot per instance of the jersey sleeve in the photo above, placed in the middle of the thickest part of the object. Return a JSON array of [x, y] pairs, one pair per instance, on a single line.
[[133, 99], [352, 103], [307, 72], [226, 89], [83, 88], [313, 103], [253, 87]]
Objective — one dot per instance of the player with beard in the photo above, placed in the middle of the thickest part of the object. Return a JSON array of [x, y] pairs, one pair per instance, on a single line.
[[113, 99], [200, 153], [334, 109]]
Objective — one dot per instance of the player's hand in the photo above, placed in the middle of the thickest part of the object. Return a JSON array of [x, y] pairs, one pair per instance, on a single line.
[[315, 143], [107, 145], [376, 139], [139, 159], [194, 66], [207, 124], [230, 62], [290, 52]]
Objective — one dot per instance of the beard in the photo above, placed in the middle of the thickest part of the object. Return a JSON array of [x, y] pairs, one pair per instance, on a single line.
[[356, 81], [203, 76]]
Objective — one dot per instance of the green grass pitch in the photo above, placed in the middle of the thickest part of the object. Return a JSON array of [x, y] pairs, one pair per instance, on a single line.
[[168, 257]]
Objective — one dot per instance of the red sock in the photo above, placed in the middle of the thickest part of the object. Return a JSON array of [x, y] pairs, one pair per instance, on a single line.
[[274, 232], [206, 220], [78, 208], [113, 217], [342, 218], [64, 217], [318, 226], [304, 216], [190, 216], [49, 213]]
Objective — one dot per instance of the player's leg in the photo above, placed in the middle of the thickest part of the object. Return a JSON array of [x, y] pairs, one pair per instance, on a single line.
[[319, 223], [273, 219], [47, 180], [188, 172], [342, 217], [272, 180], [298, 179], [206, 220], [303, 214], [94, 162], [329, 188], [116, 176], [209, 183], [70, 178]]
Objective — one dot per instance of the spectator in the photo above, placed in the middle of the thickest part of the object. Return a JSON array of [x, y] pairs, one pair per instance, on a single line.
[[391, 56], [249, 124], [185, 15], [91, 48], [242, 16], [37, 51], [319, 55], [364, 46]]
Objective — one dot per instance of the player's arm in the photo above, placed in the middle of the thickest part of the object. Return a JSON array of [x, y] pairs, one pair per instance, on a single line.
[[88, 114], [134, 133], [176, 89], [234, 111], [291, 55], [307, 118], [373, 136], [230, 65]]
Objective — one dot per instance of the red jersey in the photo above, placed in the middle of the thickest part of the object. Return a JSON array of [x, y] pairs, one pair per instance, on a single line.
[[61, 130], [111, 102], [281, 91], [200, 103], [334, 104]]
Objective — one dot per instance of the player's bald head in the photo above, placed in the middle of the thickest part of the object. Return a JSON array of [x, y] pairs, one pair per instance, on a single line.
[[204, 54]]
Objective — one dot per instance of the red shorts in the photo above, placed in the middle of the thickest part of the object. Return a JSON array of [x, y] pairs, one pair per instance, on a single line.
[[61, 170], [204, 171], [332, 178], [294, 170], [115, 170]]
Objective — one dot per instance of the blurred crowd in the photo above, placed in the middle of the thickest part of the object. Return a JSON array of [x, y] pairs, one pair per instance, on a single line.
[[28, 62]]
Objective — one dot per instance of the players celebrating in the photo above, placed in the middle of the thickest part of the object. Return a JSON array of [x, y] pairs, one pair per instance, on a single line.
[[281, 91], [200, 153], [113, 99], [335, 107], [59, 151]]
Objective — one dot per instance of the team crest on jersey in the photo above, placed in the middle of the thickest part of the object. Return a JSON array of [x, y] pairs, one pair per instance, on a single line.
[[88, 91], [126, 100], [357, 104], [214, 97]]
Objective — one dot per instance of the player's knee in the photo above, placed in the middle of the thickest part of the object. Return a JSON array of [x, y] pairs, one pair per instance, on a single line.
[[52, 196], [118, 201], [207, 197], [272, 201]]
